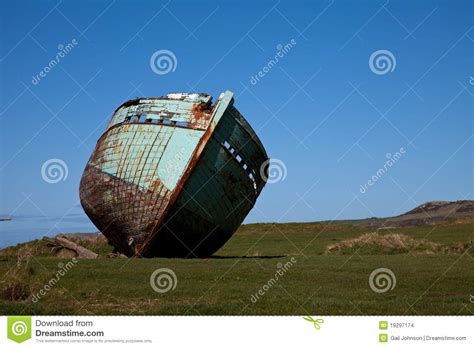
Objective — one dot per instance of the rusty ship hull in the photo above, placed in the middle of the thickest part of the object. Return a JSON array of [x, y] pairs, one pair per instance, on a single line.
[[173, 176]]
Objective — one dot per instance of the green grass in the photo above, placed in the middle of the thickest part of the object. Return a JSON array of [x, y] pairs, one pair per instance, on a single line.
[[315, 284]]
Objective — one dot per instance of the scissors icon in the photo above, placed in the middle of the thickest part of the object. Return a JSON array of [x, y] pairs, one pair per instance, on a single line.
[[316, 322]]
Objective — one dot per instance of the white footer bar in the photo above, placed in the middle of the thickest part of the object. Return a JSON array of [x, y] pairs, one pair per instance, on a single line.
[[236, 331]]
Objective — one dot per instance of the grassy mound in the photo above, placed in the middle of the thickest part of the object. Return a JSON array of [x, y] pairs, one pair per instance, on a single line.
[[394, 243]]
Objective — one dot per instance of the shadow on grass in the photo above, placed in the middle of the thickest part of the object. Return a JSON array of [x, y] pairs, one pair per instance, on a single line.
[[247, 257]]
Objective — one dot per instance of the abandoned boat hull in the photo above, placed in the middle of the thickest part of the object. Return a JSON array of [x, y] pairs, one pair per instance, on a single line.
[[177, 182]]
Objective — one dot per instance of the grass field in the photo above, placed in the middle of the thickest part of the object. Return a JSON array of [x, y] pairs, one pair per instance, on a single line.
[[313, 283]]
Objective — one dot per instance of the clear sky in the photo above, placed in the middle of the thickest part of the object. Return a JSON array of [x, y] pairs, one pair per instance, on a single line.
[[323, 110]]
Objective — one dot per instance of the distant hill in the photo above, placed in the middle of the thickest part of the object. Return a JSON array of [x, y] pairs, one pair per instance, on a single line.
[[429, 213]]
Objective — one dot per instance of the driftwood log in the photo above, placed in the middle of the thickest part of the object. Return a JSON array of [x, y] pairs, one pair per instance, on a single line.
[[60, 244]]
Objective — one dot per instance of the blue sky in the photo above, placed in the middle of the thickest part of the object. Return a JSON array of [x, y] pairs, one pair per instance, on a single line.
[[321, 110]]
